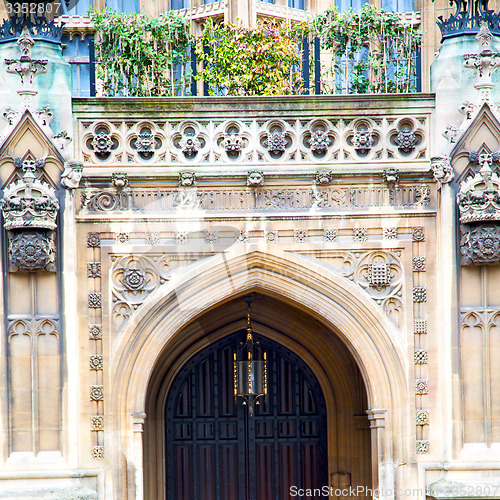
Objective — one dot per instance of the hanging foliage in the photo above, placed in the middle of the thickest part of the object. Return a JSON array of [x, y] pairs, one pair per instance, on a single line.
[[250, 61], [140, 55], [373, 51]]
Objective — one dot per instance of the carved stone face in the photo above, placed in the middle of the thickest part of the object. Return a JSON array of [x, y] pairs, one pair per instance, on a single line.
[[255, 179]]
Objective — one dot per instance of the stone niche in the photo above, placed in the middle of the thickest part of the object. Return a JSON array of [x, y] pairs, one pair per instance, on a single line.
[[29, 209], [479, 208]]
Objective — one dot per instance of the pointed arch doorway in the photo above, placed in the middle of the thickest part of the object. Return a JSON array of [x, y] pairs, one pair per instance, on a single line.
[[175, 433], [217, 451]]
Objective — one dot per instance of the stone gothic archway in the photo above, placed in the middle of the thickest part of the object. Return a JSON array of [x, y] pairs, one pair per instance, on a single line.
[[172, 326]]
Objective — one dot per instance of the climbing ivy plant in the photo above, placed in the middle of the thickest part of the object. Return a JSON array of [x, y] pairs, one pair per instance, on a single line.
[[367, 52], [373, 51], [238, 60], [140, 55]]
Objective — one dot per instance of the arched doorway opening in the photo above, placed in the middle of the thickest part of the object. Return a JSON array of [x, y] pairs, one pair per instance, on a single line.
[[217, 449], [322, 373]]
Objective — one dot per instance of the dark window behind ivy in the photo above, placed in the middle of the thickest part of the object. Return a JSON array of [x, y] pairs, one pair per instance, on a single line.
[[398, 5], [123, 5], [179, 4], [355, 5], [297, 4]]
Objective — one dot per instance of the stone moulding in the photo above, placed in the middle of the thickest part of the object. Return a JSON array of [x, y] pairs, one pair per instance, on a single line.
[[250, 200]]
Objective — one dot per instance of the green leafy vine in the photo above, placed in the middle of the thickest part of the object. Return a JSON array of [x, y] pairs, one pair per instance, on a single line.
[[140, 55], [373, 51], [249, 61]]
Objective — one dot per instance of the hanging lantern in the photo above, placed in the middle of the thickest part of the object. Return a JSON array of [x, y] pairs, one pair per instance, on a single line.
[[250, 368]]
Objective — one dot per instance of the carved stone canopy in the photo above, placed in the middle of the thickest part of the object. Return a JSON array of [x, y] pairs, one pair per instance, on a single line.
[[479, 197], [29, 203]]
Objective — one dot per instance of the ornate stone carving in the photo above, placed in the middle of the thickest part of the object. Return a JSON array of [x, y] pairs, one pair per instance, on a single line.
[[362, 140], [300, 235], [95, 332], [232, 142], [418, 233], [29, 203], [152, 238], [479, 196], [290, 199], [96, 362], [145, 142], [385, 288], [379, 275], [276, 142], [187, 179], [468, 109], [32, 251], [134, 279], [93, 240], [419, 294], [323, 177], [97, 452], [181, 237], [485, 63], [102, 142], [406, 140], [11, 115], [330, 234], [122, 238], [44, 116], [421, 386], [420, 356], [96, 423], [93, 269], [479, 208], [271, 236], [442, 169], [451, 134], [119, 180], [241, 236], [390, 233], [423, 447], [359, 234], [25, 66], [319, 140], [419, 326], [95, 300], [211, 237], [96, 393], [480, 244], [190, 144], [255, 179], [418, 264], [391, 176], [73, 171], [422, 417]]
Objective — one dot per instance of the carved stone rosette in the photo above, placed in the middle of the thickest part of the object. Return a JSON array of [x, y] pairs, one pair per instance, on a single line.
[[29, 209], [479, 207]]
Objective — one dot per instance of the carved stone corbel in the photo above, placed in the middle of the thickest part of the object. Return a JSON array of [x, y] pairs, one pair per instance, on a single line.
[[441, 169], [29, 209], [73, 171], [479, 208]]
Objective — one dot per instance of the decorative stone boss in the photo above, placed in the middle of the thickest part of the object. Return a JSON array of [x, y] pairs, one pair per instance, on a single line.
[[479, 206], [29, 209]]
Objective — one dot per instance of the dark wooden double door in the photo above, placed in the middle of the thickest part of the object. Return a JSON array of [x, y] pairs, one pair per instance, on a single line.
[[216, 451]]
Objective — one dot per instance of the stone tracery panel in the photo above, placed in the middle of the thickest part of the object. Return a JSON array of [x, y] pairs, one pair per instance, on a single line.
[[255, 140], [134, 277], [378, 273]]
